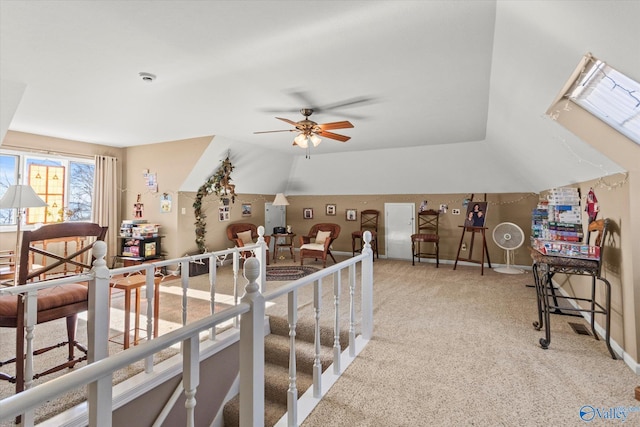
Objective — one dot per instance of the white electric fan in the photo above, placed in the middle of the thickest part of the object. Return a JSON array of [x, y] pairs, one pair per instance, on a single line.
[[508, 236]]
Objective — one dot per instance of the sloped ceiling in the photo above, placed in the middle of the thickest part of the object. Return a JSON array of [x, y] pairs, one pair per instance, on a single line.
[[449, 95]]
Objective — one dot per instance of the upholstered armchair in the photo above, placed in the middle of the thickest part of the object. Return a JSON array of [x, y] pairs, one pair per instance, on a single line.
[[317, 244], [242, 234]]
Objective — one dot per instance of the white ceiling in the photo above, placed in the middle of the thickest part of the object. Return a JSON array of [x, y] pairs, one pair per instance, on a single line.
[[427, 73]]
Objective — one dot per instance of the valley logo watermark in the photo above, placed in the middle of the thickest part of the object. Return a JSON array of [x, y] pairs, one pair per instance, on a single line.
[[589, 413]]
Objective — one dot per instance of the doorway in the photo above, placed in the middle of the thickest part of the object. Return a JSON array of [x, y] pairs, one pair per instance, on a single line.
[[399, 225], [274, 216]]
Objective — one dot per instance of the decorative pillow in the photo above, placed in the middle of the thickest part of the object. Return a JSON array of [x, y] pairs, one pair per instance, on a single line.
[[322, 236], [245, 236]]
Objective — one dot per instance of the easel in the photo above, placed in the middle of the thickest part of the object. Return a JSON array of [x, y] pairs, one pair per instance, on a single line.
[[473, 231]]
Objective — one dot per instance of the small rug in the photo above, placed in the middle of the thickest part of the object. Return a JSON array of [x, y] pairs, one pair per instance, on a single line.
[[288, 273]]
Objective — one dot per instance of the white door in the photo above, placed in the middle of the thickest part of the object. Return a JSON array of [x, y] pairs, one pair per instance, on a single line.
[[399, 225], [274, 216]]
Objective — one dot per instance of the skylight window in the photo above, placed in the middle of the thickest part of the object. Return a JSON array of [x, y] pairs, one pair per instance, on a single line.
[[609, 95]]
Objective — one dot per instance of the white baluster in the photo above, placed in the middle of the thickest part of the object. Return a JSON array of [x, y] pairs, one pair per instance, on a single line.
[[292, 392], [336, 325], [236, 266], [149, 285], [212, 288], [317, 366], [352, 310], [367, 288], [190, 375]]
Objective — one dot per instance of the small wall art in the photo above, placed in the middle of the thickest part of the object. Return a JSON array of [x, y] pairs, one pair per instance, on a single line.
[[330, 210], [224, 213], [307, 213], [351, 214], [246, 209]]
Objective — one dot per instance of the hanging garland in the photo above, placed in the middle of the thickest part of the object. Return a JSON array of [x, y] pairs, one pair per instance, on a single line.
[[220, 185]]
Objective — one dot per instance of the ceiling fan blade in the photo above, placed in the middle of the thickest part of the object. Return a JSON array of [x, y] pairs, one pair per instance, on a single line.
[[336, 125], [272, 131], [346, 103], [291, 122], [332, 135]]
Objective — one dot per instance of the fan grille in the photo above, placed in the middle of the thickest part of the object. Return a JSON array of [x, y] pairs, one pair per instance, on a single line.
[[508, 236]]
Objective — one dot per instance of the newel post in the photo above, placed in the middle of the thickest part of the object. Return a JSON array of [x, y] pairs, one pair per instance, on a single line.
[[99, 392], [262, 257], [252, 350], [367, 288]]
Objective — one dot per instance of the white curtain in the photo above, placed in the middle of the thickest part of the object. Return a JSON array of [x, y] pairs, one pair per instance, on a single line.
[[106, 200]]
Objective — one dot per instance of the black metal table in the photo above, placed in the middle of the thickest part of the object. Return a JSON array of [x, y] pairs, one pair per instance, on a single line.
[[548, 300]]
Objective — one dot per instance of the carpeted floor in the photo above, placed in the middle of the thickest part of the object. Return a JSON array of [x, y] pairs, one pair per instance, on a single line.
[[454, 348]]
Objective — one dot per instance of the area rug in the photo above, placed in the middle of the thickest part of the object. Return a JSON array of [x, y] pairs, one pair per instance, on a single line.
[[288, 273]]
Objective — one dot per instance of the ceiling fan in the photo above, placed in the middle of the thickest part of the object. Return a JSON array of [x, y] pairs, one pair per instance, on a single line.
[[310, 131]]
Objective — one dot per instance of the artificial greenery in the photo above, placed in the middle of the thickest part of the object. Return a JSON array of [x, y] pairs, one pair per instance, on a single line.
[[220, 185]]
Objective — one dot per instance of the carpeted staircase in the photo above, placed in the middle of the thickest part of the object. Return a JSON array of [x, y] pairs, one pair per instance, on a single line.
[[276, 357]]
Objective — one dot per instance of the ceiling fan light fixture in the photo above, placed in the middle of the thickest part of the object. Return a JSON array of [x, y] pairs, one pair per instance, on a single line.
[[315, 140], [301, 140]]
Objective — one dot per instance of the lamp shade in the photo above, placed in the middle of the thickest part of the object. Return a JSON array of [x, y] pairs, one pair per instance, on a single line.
[[21, 196], [280, 200]]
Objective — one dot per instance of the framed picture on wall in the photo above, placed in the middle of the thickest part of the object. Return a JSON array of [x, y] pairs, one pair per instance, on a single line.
[[246, 209], [307, 213], [331, 210], [224, 214], [351, 214]]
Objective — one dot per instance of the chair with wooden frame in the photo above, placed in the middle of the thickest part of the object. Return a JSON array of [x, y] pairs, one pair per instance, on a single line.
[[64, 301], [368, 221], [317, 244], [242, 234], [428, 224]]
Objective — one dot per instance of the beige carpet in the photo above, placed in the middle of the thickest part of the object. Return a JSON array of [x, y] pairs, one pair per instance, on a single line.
[[454, 348]]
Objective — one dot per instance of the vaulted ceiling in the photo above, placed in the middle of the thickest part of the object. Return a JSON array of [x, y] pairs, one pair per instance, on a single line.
[[451, 91]]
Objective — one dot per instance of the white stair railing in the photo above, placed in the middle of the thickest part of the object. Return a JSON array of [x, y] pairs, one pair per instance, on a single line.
[[98, 373]]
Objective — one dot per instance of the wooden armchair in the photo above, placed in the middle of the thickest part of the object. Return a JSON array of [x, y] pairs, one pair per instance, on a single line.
[[317, 244], [64, 301], [242, 233]]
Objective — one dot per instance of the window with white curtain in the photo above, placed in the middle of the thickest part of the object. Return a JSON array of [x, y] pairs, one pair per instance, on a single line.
[[609, 95], [64, 183]]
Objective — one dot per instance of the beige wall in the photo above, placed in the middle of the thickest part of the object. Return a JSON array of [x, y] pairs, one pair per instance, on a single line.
[[624, 208], [619, 198], [166, 160]]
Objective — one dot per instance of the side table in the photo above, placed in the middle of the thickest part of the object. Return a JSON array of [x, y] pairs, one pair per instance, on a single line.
[[287, 242], [135, 283]]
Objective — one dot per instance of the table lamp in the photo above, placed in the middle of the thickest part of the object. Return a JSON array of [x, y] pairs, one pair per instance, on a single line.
[[19, 197]]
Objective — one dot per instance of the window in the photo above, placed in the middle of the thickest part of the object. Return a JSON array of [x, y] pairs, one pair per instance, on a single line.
[[64, 183], [609, 95]]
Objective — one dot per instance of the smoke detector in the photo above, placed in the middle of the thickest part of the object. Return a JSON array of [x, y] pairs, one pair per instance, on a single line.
[[147, 77]]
